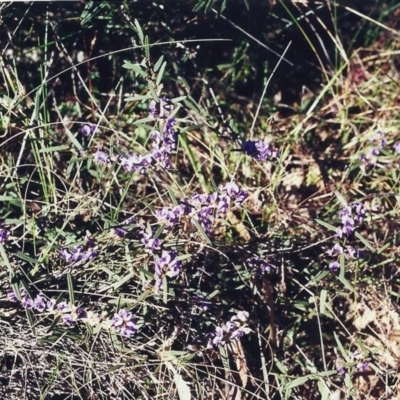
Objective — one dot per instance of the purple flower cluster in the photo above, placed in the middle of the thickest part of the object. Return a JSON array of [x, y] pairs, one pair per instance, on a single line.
[[3, 235], [351, 215], [231, 330], [39, 303], [259, 149], [70, 313], [161, 109], [203, 207], [163, 143], [80, 254], [122, 232], [123, 324], [360, 366], [259, 266], [151, 243], [372, 154], [166, 265]]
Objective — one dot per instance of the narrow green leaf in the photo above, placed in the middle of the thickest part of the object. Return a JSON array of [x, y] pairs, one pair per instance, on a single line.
[[367, 244], [54, 148], [144, 296], [6, 261], [346, 283], [326, 225], [178, 99], [136, 68], [147, 47], [139, 31], [322, 301], [138, 97], [73, 139], [158, 64], [298, 382], [25, 257], [161, 73], [71, 289]]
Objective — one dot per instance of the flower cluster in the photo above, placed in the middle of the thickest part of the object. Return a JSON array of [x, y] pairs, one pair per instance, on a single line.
[[203, 207], [259, 266], [122, 323], [163, 142], [69, 314], [3, 235], [80, 254], [259, 149], [351, 215], [360, 366], [151, 243], [231, 330], [39, 303], [372, 154]]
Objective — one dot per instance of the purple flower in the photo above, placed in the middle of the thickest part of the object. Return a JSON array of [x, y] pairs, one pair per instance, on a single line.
[[359, 210], [362, 367], [375, 151], [396, 147], [168, 264], [27, 303], [153, 109], [341, 370], [236, 194], [334, 266], [348, 229], [100, 157], [234, 329], [122, 323], [121, 232], [78, 254], [335, 250], [39, 303], [88, 129], [67, 319], [258, 265], [259, 150], [170, 137], [223, 204], [161, 109], [171, 217], [80, 313], [153, 244], [12, 296], [204, 216], [379, 138], [51, 304], [63, 307]]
